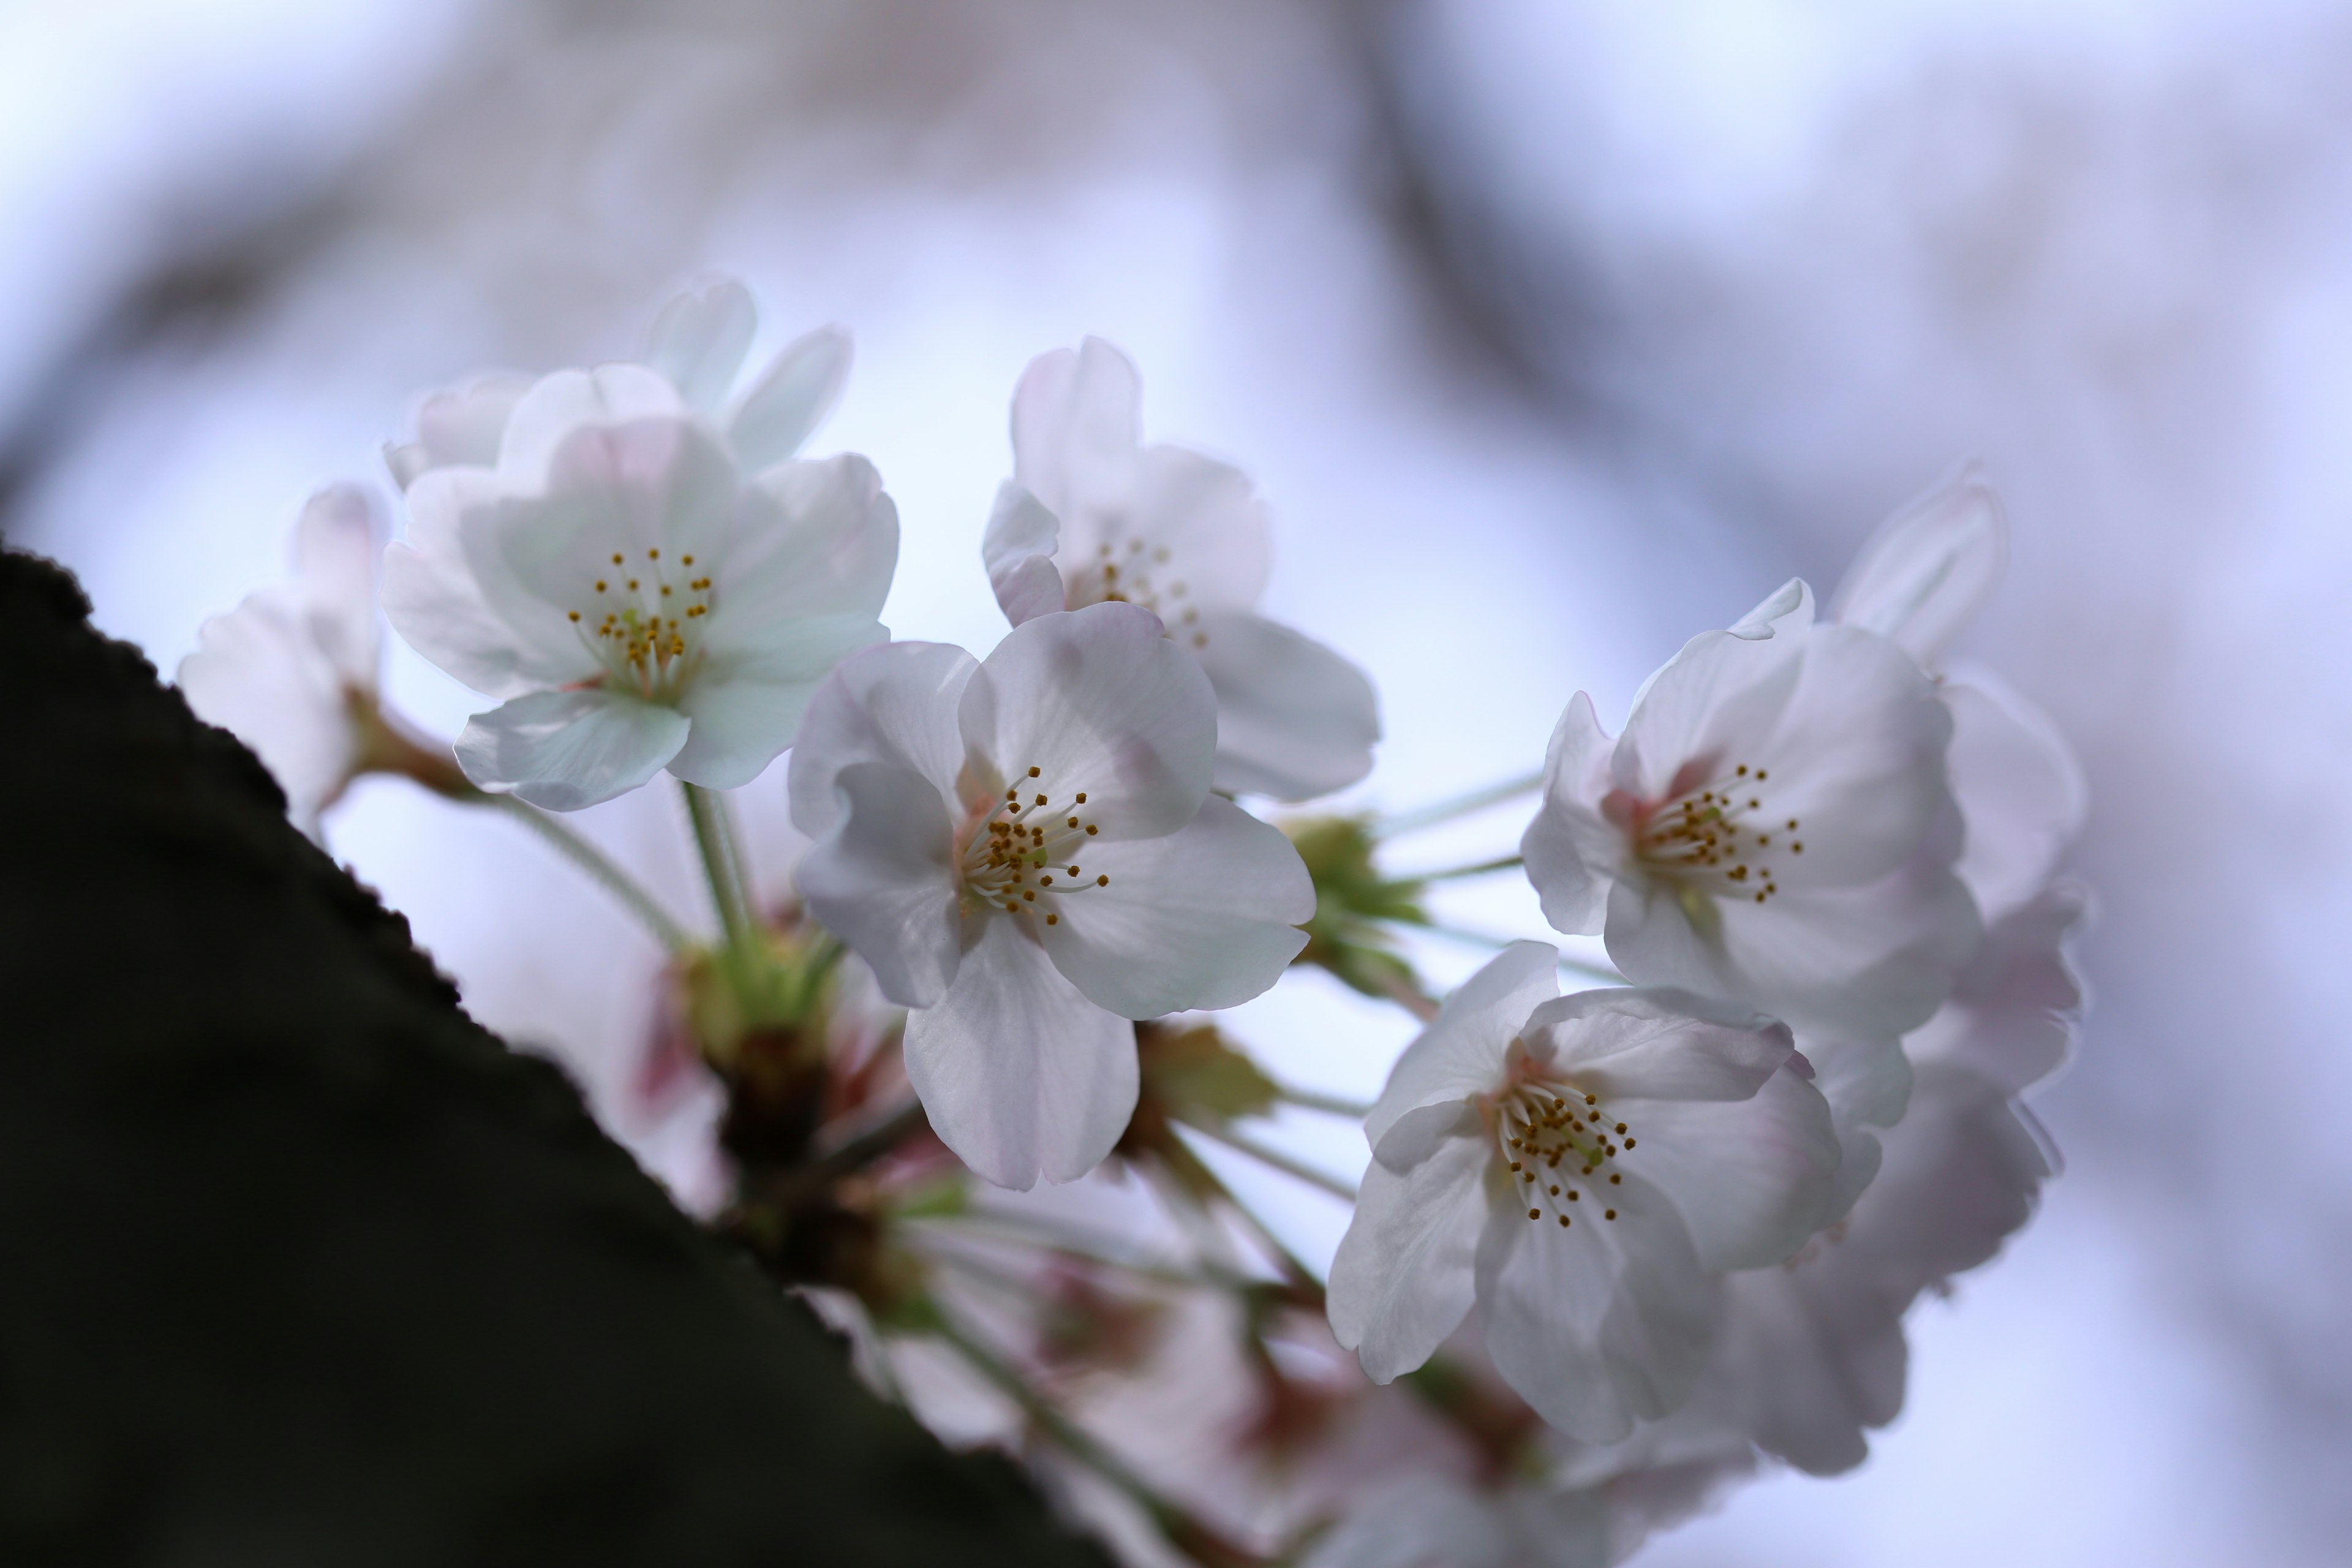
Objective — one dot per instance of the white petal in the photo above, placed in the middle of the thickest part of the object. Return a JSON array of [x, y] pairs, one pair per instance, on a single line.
[[1293, 718], [462, 427], [1205, 917], [1657, 1044], [883, 880], [1188, 533], [1927, 569], [896, 705], [1076, 424], [1871, 959], [1099, 702], [698, 339], [259, 674], [811, 539], [1751, 1177], [1785, 611], [747, 709], [1401, 1280], [567, 749], [1571, 850], [1599, 1323], [1868, 1080], [545, 416], [1020, 1076], [1719, 700], [337, 545], [791, 398], [1461, 1054], [2012, 1014], [2020, 790], [1018, 550], [435, 602]]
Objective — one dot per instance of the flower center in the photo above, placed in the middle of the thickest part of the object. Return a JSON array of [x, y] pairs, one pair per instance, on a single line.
[[1137, 576], [1714, 834], [1554, 1142], [641, 623], [1025, 853]]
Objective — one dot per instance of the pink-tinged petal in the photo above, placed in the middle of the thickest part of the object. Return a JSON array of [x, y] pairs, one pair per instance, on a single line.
[[1101, 704], [1293, 718], [698, 339], [896, 705], [2020, 790], [1751, 1177], [1189, 534], [1076, 424], [2012, 1015], [566, 750], [1460, 1055], [1573, 850], [545, 417], [1018, 550], [337, 545], [883, 880], [1718, 700], [1871, 959], [1927, 569], [791, 398], [258, 673], [1599, 1322], [1205, 916], [1402, 1281], [460, 427], [1657, 1044], [1021, 1075]]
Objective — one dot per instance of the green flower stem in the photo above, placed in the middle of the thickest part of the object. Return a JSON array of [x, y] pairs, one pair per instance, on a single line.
[[1329, 1104], [1275, 1159], [707, 814], [592, 861], [1599, 972], [1484, 868], [1460, 806]]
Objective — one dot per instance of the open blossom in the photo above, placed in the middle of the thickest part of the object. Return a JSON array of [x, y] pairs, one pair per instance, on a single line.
[[1581, 1168], [1026, 852], [637, 604], [292, 672], [697, 344], [1773, 825], [1092, 515]]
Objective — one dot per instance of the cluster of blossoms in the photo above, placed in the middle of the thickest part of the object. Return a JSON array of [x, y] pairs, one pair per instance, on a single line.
[[1611, 1249]]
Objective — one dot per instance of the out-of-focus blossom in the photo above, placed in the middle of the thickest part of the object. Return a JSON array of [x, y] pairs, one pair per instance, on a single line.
[[292, 670], [1927, 569], [698, 343], [1767, 827], [1092, 514], [637, 603], [1026, 852], [1444, 1522], [1581, 1168]]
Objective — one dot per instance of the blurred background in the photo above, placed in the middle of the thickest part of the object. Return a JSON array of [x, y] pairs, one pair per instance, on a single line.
[[1555, 330]]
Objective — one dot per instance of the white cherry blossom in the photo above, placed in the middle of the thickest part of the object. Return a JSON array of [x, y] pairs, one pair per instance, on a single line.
[[1927, 570], [1583, 1169], [1026, 852], [698, 343], [292, 672], [1774, 826], [1092, 514], [637, 604]]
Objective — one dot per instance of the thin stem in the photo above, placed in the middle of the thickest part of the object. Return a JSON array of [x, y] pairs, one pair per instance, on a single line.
[[1507, 863], [730, 833], [1265, 1155], [592, 861], [706, 811], [793, 1186], [1460, 806], [1329, 1104], [1408, 997], [1590, 971]]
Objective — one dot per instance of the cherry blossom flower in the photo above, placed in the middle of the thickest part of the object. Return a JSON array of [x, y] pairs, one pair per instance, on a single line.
[[292, 672], [1092, 514], [1927, 569], [698, 343], [1773, 827], [637, 604], [1026, 851], [1581, 1168]]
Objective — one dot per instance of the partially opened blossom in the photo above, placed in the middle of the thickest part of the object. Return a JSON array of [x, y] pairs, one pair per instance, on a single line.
[[698, 343], [1026, 852], [1584, 1168], [292, 670], [1927, 570], [1094, 515], [637, 603], [1774, 826]]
